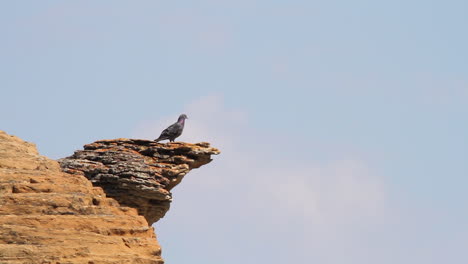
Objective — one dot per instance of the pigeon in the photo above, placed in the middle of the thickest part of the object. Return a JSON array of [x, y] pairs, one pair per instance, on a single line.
[[174, 130]]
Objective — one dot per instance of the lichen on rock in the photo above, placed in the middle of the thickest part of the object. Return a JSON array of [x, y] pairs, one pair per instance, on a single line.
[[138, 173]]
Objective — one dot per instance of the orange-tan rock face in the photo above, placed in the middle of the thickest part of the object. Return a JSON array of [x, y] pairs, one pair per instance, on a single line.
[[47, 216]]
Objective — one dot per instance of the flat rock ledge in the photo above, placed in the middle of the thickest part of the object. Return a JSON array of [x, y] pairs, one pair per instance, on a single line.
[[138, 173]]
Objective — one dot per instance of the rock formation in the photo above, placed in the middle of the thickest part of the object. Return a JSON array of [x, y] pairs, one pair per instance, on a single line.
[[138, 173], [50, 216]]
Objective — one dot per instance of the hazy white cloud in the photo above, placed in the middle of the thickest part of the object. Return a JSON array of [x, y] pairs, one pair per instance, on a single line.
[[327, 193], [308, 202]]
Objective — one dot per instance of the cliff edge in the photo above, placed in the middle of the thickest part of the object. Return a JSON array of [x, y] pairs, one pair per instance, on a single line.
[[50, 216]]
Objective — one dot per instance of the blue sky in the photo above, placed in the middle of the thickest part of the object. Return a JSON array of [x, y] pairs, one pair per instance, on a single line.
[[341, 123]]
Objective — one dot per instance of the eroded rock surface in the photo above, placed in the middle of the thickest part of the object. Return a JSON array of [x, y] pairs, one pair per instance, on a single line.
[[138, 173], [48, 216]]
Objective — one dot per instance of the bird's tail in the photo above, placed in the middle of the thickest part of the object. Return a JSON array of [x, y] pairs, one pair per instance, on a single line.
[[158, 139]]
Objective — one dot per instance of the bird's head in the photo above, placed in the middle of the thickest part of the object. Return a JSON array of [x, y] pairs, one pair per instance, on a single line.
[[182, 117]]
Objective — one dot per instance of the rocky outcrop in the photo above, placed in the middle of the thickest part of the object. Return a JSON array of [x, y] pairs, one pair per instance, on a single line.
[[138, 173], [49, 216]]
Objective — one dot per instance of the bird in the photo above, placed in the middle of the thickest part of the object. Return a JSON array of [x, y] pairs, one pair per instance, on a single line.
[[174, 130]]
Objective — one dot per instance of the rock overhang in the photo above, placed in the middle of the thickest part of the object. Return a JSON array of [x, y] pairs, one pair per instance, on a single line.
[[138, 173]]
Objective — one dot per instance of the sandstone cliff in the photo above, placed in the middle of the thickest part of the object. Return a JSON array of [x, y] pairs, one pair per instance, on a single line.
[[50, 216]]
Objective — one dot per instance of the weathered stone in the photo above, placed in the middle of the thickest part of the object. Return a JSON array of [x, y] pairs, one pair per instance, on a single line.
[[138, 173], [48, 216]]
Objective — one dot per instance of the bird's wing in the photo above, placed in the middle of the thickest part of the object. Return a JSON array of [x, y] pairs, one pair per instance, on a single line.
[[171, 130]]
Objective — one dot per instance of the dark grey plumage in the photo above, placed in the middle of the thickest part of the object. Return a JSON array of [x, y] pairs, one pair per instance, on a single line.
[[174, 130]]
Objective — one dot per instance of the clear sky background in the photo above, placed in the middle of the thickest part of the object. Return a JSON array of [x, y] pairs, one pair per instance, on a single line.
[[342, 124]]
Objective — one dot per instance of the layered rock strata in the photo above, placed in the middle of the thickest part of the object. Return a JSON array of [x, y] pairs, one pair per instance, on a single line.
[[47, 216], [138, 173], [50, 216]]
